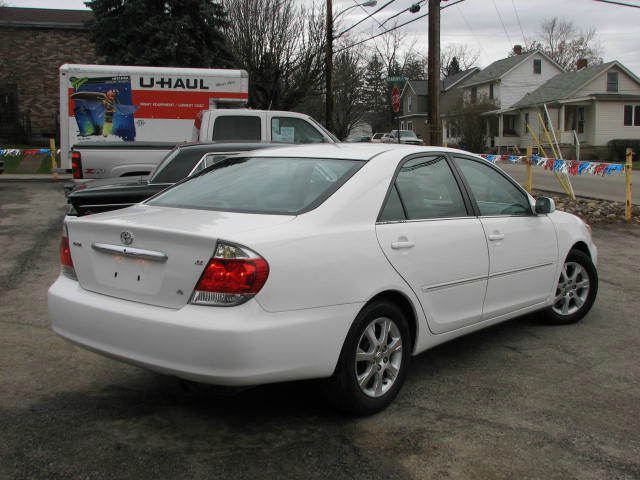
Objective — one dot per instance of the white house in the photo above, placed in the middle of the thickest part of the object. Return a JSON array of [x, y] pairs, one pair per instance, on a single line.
[[503, 83], [598, 103]]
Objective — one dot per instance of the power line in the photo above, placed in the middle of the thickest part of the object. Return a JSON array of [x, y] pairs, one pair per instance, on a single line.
[[396, 27], [363, 9], [365, 18], [619, 3], [400, 13], [524, 38], [502, 22], [482, 50]]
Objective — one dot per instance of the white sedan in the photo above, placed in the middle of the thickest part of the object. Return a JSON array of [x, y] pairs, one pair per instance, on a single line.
[[336, 262]]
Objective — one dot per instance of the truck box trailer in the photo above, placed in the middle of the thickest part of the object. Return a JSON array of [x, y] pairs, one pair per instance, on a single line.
[[129, 103]]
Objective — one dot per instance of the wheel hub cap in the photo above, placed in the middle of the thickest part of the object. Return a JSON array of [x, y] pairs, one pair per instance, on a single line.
[[378, 357], [572, 289]]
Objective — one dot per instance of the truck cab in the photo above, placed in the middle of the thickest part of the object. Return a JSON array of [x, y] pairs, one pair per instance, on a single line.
[[259, 125]]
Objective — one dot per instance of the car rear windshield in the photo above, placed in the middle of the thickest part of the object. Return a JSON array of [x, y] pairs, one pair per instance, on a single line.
[[271, 185]]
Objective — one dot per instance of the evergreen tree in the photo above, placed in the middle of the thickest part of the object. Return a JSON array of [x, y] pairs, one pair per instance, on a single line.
[[453, 67], [173, 33], [375, 94]]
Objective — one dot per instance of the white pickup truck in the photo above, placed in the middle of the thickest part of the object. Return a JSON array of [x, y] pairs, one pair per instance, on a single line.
[[90, 160]]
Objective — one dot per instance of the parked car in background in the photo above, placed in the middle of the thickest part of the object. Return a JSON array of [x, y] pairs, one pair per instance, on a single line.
[[248, 125], [407, 137], [336, 262], [91, 160], [377, 137], [359, 139], [184, 160]]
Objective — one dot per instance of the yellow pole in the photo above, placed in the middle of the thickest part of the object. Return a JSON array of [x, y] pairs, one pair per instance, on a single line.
[[54, 164], [535, 138], [628, 168], [567, 189], [529, 182]]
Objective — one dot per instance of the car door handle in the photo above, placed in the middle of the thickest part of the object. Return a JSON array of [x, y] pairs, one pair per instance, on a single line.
[[495, 236], [402, 244]]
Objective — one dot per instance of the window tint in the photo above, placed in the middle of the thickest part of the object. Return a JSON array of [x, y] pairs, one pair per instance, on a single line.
[[261, 185], [393, 208], [176, 165], [428, 189], [494, 194], [294, 130], [237, 128]]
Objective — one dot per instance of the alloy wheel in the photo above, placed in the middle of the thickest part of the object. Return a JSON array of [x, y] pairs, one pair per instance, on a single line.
[[378, 357], [572, 290]]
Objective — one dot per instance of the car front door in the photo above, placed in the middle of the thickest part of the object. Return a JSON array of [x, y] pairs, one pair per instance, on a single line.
[[523, 249], [430, 236]]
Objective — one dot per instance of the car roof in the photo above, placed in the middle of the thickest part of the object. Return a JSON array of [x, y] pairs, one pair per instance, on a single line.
[[349, 151]]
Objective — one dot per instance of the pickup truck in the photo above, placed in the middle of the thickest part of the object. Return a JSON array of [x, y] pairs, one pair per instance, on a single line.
[[91, 160]]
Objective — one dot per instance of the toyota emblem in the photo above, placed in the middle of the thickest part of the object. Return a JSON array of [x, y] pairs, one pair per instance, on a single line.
[[126, 238]]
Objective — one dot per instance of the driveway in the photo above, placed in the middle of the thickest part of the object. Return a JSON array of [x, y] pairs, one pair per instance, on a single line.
[[611, 187], [519, 400]]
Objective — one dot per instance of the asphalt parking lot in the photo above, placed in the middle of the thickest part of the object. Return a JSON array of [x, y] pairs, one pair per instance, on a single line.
[[519, 400]]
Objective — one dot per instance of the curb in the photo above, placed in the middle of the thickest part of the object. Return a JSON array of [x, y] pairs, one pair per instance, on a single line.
[[31, 179]]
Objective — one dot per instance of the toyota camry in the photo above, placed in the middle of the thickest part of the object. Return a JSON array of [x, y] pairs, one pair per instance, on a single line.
[[338, 262]]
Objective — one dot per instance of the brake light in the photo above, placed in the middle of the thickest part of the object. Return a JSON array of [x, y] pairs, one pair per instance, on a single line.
[[66, 262], [76, 164], [233, 276], [198, 121]]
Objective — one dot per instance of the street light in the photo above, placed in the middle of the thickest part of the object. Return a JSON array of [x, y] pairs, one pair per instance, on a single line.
[[328, 59]]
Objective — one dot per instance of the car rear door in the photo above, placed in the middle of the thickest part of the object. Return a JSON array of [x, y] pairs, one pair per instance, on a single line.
[[523, 247], [429, 234]]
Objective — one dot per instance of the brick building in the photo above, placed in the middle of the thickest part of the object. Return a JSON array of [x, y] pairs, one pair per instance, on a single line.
[[34, 42]]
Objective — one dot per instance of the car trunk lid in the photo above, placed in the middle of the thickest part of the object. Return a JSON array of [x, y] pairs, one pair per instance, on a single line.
[[153, 255]]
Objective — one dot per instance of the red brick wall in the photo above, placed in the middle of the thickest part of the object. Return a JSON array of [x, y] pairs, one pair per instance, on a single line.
[[30, 58]]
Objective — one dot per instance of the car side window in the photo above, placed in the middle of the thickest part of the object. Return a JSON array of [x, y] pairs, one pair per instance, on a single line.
[[426, 189], [210, 159], [393, 210], [494, 194], [294, 130], [237, 127]]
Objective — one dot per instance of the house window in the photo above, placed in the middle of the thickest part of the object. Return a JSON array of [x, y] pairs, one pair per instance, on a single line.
[[537, 66], [526, 120], [453, 131], [402, 125], [580, 120], [632, 115], [409, 102], [409, 125], [491, 91], [612, 81], [474, 94]]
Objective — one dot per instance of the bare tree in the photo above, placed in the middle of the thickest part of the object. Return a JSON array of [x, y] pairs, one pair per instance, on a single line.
[[348, 92], [565, 43], [465, 54], [280, 43]]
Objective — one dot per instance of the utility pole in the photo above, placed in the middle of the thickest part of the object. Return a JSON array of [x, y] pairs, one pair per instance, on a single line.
[[433, 75], [328, 69]]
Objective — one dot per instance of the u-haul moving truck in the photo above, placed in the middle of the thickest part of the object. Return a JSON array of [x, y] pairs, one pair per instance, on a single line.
[[129, 103]]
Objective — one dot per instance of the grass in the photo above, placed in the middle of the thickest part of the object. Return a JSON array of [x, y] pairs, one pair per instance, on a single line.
[[11, 163]]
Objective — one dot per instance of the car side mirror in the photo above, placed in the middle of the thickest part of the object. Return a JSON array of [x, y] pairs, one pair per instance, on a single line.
[[545, 205]]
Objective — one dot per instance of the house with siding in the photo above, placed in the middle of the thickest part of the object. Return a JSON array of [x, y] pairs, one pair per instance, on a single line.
[[589, 107], [502, 84], [414, 99]]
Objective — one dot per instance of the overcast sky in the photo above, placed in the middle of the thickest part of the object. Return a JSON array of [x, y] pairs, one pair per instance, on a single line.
[[476, 22]]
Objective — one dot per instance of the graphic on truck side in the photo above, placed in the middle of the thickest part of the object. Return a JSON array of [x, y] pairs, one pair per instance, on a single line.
[[103, 106]]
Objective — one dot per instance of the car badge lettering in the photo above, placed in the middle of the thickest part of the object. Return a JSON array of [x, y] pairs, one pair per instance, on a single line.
[[126, 238]]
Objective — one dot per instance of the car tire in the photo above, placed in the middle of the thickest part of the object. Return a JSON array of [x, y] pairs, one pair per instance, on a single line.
[[369, 384], [576, 291]]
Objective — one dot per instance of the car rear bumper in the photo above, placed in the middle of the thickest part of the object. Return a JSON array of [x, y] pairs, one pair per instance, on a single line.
[[243, 345]]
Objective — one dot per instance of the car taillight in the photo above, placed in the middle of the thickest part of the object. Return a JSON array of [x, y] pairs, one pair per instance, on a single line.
[[233, 275], [198, 121], [66, 262], [76, 164]]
